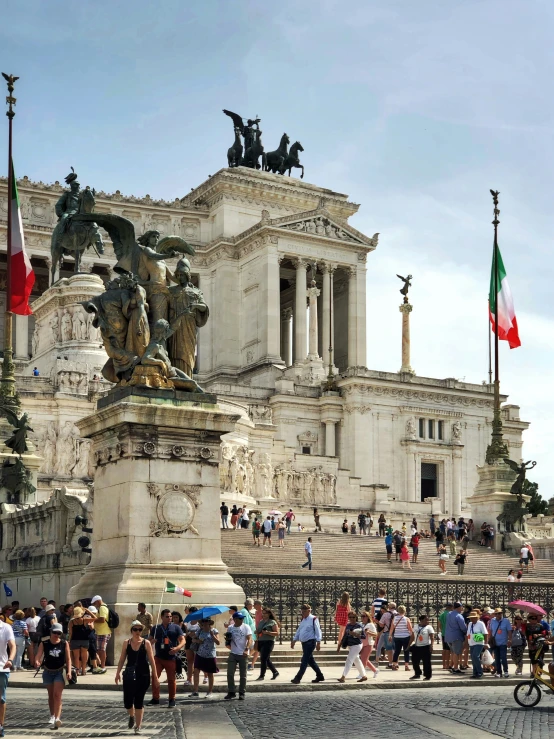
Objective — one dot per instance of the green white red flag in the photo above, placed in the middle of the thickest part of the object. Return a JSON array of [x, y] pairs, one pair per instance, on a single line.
[[22, 277], [507, 322], [171, 588]]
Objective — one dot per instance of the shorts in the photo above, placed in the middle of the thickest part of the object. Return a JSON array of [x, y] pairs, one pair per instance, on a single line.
[[4, 677], [102, 642], [415, 550], [49, 678], [389, 548], [256, 534], [445, 646], [397, 548], [34, 637], [78, 644], [456, 646], [267, 534]]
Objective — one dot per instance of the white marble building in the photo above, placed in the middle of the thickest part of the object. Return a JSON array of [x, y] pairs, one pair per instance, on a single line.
[[284, 275]]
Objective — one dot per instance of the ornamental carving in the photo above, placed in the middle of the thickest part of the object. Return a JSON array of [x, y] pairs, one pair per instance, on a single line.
[[175, 509], [438, 398]]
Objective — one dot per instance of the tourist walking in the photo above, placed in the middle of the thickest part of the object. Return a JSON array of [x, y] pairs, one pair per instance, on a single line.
[[415, 546], [238, 640], [168, 639], [388, 547], [224, 512], [524, 557], [138, 658], [281, 528], [352, 640], [405, 557], [443, 559], [256, 527], [7, 657], [234, 516], [402, 633], [308, 551], [362, 523], [144, 617], [342, 609], [500, 639], [54, 655], [207, 640], [477, 638], [531, 554], [103, 631], [21, 634], [422, 649], [385, 642], [192, 628], [446, 657], [266, 630], [455, 634], [397, 539], [34, 638], [267, 529], [460, 561], [519, 642], [370, 632], [382, 521], [78, 632], [289, 518], [308, 634]]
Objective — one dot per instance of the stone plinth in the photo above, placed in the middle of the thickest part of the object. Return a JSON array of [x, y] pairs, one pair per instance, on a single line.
[[491, 492], [156, 501]]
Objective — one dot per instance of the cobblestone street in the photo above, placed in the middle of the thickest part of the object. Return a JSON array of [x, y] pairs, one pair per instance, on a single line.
[[326, 715]]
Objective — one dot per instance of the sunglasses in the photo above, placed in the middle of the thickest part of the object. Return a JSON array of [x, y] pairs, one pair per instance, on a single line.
[[135, 628]]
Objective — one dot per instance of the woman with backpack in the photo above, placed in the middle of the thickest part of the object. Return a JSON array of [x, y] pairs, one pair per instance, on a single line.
[[137, 652], [519, 642], [54, 655], [352, 640]]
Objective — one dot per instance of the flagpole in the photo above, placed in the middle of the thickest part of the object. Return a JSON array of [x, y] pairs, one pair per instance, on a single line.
[[497, 449], [7, 383], [490, 345], [160, 608]]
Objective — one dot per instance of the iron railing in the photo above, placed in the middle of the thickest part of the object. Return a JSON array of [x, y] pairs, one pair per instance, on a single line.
[[286, 593]]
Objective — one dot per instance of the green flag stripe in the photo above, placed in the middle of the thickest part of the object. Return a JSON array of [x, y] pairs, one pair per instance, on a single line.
[[501, 276]]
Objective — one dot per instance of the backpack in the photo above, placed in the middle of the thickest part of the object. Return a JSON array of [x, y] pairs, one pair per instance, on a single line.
[[518, 638], [42, 628], [257, 526], [113, 618]]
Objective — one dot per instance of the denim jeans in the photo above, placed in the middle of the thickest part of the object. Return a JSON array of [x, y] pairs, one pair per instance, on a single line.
[[19, 649], [308, 660], [232, 661], [308, 564], [501, 659], [289, 522], [224, 522], [475, 652]]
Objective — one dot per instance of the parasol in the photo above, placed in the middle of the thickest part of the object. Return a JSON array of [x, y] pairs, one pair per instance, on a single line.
[[275, 513], [206, 612], [525, 605]]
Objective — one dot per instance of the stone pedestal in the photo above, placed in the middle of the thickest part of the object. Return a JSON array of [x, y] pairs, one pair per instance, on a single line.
[[491, 492], [156, 501]]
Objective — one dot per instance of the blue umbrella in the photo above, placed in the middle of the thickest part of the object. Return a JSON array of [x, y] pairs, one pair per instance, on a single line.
[[206, 612]]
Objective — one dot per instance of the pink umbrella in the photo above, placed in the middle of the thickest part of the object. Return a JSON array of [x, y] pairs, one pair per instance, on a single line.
[[275, 513], [524, 605]]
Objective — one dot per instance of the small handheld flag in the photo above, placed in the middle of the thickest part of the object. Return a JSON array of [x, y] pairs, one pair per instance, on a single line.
[[171, 588], [8, 591]]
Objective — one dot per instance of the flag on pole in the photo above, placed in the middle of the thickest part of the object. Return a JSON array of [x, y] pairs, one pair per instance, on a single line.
[[171, 588], [22, 277], [507, 322]]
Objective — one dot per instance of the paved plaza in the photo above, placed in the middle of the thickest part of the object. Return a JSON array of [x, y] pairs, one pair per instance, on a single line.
[[411, 714]]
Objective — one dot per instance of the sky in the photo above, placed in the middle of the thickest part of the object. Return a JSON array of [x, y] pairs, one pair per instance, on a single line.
[[415, 109]]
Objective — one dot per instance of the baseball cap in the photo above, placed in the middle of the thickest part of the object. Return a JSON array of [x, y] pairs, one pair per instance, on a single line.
[[238, 614], [57, 628], [95, 598], [457, 604], [49, 607]]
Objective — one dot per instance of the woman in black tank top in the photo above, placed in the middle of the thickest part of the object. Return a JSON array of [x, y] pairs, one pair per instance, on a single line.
[[137, 655], [78, 634], [54, 655]]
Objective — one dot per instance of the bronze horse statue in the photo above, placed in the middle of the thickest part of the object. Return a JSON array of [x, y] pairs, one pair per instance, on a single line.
[[254, 152], [276, 159], [234, 153], [76, 236], [292, 159]]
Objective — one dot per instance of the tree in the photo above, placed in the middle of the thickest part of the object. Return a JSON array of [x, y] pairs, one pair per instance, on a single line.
[[536, 504]]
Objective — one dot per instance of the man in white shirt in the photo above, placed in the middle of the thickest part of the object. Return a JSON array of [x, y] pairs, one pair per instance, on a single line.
[[7, 656], [308, 551], [238, 640], [477, 638], [266, 528], [524, 557], [309, 634], [422, 648]]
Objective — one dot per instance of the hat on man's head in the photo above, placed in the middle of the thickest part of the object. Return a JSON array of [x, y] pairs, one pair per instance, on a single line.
[[498, 610], [57, 629], [50, 607], [95, 598], [238, 614]]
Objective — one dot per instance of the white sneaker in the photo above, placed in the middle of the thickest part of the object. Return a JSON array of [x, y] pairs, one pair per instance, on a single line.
[[187, 682], [205, 681], [51, 720], [375, 673], [58, 723], [209, 695]]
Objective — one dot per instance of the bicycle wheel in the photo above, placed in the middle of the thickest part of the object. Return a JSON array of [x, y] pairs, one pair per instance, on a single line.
[[527, 694]]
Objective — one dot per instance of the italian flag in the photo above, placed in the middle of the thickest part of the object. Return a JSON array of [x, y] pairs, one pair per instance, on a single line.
[[171, 588], [22, 277], [507, 322]]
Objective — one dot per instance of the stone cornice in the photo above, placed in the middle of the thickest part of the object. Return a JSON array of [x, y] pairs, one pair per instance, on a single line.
[[269, 188], [362, 388], [414, 411]]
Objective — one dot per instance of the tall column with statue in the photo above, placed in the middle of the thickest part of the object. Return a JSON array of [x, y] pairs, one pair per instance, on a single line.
[[406, 309]]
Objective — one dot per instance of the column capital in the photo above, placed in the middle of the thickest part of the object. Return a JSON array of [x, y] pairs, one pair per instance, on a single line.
[[405, 308], [280, 258], [286, 314], [313, 292], [299, 263], [352, 272], [327, 267]]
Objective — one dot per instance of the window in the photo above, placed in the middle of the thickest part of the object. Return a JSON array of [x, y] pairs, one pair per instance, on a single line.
[[441, 430], [422, 428], [306, 450], [431, 426]]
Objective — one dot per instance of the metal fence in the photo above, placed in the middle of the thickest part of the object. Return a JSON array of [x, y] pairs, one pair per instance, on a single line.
[[286, 593]]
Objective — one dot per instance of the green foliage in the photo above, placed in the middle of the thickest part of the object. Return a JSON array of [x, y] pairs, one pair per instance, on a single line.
[[536, 505]]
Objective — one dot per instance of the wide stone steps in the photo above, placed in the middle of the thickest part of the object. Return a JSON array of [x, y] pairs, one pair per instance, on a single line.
[[364, 556]]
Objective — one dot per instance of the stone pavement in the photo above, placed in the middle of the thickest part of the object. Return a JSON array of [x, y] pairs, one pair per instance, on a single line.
[[471, 713]]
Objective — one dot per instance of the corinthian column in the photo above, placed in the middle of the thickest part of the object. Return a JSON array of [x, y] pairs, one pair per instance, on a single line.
[[313, 294], [300, 311], [326, 298], [286, 315], [406, 309], [352, 317]]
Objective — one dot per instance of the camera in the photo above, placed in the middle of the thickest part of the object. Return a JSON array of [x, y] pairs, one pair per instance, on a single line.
[[228, 637]]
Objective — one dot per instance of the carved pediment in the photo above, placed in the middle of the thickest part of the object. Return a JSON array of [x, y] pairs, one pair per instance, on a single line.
[[323, 225]]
